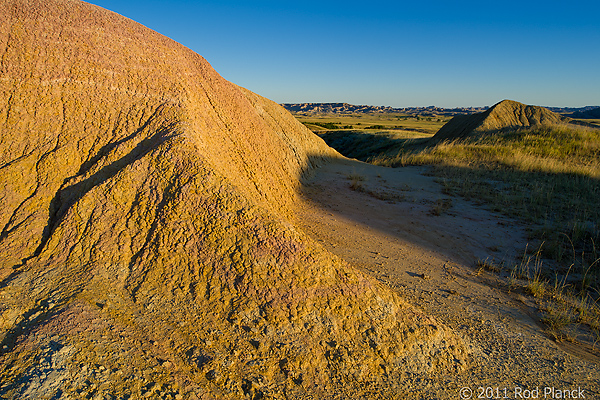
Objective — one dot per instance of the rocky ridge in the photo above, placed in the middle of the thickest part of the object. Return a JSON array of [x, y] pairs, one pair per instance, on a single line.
[[345, 108], [592, 113], [335, 108], [148, 243]]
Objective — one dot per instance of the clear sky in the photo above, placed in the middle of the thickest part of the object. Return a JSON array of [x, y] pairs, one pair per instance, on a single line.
[[395, 53]]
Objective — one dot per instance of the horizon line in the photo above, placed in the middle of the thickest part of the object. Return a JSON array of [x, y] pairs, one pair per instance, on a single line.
[[430, 106]]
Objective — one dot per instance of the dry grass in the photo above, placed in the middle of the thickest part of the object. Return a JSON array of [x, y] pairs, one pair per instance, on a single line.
[[536, 287], [547, 176], [356, 177], [568, 312], [557, 317], [548, 148], [572, 317], [356, 181]]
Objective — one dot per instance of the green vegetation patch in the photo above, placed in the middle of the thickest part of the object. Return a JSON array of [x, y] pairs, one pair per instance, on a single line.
[[363, 122], [329, 125]]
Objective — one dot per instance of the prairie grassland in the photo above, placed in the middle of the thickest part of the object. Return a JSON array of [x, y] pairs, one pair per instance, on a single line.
[[548, 149], [590, 121], [547, 177], [383, 122]]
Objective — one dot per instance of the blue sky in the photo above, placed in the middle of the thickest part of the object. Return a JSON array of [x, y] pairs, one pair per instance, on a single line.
[[418, 53]]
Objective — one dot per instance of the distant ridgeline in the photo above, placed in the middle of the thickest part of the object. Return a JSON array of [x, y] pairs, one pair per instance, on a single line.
[[345, 108], [590, 112], [587, 113]]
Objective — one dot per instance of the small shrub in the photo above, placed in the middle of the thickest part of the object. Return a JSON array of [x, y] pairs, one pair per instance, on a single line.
[[488, 265], [356, 177], [557, 318], [536, 288], [356, 182], [441, 206], [357, 186]]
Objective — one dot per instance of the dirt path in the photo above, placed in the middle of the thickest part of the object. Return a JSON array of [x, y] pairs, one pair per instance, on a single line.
[[398, 226]]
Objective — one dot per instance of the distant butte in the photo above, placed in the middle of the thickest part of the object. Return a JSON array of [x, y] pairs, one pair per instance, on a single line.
[[506, 114]]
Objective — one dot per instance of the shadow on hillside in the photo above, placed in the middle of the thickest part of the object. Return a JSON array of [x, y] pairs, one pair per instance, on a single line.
[[363, 145]]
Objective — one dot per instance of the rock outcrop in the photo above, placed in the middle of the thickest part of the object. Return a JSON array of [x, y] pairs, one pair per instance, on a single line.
[[507, 114], [148, 245], [336, 108]]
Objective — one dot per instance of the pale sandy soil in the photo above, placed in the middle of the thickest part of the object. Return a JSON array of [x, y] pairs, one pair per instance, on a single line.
[[430, 260]]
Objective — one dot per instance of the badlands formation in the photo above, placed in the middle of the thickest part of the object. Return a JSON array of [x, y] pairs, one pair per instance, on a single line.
[[149, 243], [507, 114]]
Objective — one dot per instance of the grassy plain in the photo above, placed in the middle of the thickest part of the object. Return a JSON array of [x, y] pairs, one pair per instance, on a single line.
[[547, 177], [381, 122], [590, 121]]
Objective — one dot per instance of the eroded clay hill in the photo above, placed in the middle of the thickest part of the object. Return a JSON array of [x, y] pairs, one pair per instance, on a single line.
[[147, 243], [507, 114]]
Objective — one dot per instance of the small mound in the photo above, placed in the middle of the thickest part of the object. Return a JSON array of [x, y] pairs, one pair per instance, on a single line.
[[507, 114]]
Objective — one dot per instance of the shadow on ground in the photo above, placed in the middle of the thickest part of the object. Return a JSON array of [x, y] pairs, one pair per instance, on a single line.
[[363, 145], [400, 226]]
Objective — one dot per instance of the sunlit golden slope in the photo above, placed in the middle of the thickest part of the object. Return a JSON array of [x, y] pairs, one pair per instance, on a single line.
[[147, 243]]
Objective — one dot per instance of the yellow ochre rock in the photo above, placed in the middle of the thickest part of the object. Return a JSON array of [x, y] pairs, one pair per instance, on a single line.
[[148, 245]]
